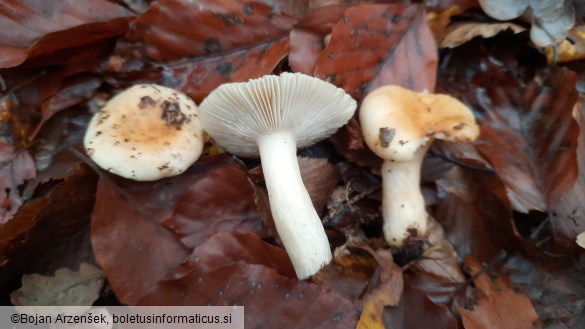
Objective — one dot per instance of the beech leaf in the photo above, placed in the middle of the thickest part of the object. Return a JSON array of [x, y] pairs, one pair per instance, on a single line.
[[244, 277], [499, 305], [43, 27], [375, 45]]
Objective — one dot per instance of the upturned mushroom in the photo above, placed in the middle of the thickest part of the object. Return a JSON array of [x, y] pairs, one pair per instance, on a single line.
[[399, 125], [271, 117], [145, 133]]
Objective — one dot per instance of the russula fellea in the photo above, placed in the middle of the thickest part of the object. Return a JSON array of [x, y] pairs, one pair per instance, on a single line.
[[145, 133], [399, 125], [271, 117]]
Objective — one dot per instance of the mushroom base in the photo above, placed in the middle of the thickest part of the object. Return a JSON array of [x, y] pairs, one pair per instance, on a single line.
[[403, 205], [298, 224]]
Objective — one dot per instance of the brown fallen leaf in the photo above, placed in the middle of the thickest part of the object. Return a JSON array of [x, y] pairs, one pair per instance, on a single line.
[[388, 287], [43, 28], [65, 288], [221, 28], [348, 273], [416, 310], [531, 138], [374, 45], [459, 34], [474, 204], [74, 91], [233, 42], [307, 38], [220, 201], [499, 305], [198, 77], [440, 259], [50, 231], [235, 269]]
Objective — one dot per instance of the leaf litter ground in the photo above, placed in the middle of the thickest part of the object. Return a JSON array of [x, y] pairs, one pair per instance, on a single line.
[[505, 210]]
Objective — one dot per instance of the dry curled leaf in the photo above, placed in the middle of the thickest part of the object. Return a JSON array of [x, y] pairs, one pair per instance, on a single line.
[[65, 288], [387, 291], [459, 34]]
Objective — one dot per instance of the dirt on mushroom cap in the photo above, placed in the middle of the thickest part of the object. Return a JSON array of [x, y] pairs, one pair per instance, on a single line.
[[145, 133], [397, 121]]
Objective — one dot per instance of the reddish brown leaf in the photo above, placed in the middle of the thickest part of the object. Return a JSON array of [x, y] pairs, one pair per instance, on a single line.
[[270, 299], [134, 251], [347, 274], [127, 236], [307, 39], [218, 27], [221, 201], [232, 247], [499, 305], [200, 76], [475, 212], [52, 230], [305, 47], [375, 45], [529, 137], [33, 28], [386, 292], [75, 91], [416, 311]]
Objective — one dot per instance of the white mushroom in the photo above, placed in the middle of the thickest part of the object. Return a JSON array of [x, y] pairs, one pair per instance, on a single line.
[[146, 132], [399, 125], [271, 117]]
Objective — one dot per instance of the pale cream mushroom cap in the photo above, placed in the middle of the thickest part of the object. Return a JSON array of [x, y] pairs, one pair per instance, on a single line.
[[396, 122], [146, 132], [237, 114]]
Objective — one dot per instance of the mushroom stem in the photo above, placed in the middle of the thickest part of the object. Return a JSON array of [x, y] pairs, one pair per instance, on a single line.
[[403, 205], [296, 220]]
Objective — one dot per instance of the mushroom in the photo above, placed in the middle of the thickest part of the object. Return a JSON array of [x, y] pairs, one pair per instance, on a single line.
[[145, 133], [398, 126], [271, 117]]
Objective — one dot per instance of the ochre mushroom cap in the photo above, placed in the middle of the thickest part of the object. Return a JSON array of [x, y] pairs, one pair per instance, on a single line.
[[145, 133], [396, 122]]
